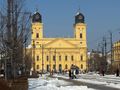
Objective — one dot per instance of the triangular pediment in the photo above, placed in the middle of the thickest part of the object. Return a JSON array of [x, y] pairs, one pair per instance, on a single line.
[[59, 43]]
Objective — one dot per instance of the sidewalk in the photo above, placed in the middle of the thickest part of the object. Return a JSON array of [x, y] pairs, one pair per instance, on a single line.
[[90, 85]]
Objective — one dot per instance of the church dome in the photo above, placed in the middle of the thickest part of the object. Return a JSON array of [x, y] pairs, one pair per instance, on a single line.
[[79, 18], [37, 17]]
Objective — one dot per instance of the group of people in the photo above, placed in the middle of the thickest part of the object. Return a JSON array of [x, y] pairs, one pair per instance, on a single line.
[[117, 72], [73, 73]]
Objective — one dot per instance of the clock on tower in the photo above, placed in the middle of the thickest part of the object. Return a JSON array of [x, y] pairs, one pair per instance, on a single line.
[[79, 18], [36, 17]]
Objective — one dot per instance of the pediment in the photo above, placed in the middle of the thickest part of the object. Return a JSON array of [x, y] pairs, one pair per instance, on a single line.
[[59, 43]]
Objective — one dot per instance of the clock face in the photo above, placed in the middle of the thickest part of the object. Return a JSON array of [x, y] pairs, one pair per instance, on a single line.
[[80, 17], [37, 16]]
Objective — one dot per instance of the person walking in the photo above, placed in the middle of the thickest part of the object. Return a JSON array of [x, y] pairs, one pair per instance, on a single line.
[[117, 72], [103, 72], [74, 73], [70, 74]]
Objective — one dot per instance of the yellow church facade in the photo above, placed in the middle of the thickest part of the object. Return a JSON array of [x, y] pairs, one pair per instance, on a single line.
[[116, 55], [58, 54]]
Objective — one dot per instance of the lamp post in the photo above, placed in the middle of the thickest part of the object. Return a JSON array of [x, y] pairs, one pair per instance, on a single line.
[[112, 50], [50, 59], [33, 51], [42, 59], [55, 60]]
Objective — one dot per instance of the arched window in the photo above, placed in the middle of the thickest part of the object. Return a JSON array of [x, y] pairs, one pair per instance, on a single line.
[[48, 68], [81, 57], [81, 66], [54, 58], [37, 66], [72, 58], [59, 58], [66, 58], [37, 35], [66, 66], [37, 58], [80, 35], [47, 58]]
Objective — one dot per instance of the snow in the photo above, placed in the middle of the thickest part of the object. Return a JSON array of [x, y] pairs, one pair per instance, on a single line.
[[107, 80], [46, 83], [29, 46], [77, 13]]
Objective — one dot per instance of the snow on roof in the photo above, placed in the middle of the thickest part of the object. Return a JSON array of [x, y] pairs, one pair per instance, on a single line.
[[29, 46], [77, 13]]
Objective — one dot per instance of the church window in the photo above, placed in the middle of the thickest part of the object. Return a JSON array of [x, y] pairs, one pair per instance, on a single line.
[[66, 66], [81, 57], [81, 66], [72, 58], [48, 68], [53, 58], [80, 35], [37, 58], [37, 35], [66, 58], [47, 58], [37, 66], [59, 58]]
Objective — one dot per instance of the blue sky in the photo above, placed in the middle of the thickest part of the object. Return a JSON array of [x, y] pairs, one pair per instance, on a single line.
[[58, 17]]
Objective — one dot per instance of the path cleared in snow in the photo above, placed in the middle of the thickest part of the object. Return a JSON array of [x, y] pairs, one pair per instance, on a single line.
[[47, 83], [110, 82]]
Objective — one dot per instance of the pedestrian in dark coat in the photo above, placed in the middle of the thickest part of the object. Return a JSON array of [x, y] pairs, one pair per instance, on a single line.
[[117, 72], [70, 74], [103, 72]]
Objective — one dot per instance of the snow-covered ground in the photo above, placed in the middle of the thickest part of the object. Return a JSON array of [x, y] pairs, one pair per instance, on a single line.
[[107, 80], [46, 83]]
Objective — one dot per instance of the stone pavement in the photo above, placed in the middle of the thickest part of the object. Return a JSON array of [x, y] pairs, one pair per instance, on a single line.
[[90, 85], [16, 84]]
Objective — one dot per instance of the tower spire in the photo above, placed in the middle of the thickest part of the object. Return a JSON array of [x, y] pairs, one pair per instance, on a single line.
[[36, 8], [78, 11]]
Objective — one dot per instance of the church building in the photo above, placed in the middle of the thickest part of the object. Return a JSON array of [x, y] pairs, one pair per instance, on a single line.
[[58, 54]]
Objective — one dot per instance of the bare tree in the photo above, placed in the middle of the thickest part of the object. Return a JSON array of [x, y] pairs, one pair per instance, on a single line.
[[14, 30]]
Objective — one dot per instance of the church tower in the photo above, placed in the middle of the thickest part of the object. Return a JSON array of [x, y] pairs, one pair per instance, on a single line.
[[80, 28], [37, 26], [80, 35], [36, 36]]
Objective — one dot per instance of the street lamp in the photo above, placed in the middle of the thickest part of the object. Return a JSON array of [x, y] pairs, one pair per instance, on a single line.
[[50, 59], [33, 51], [42, 59], [55, 59]]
